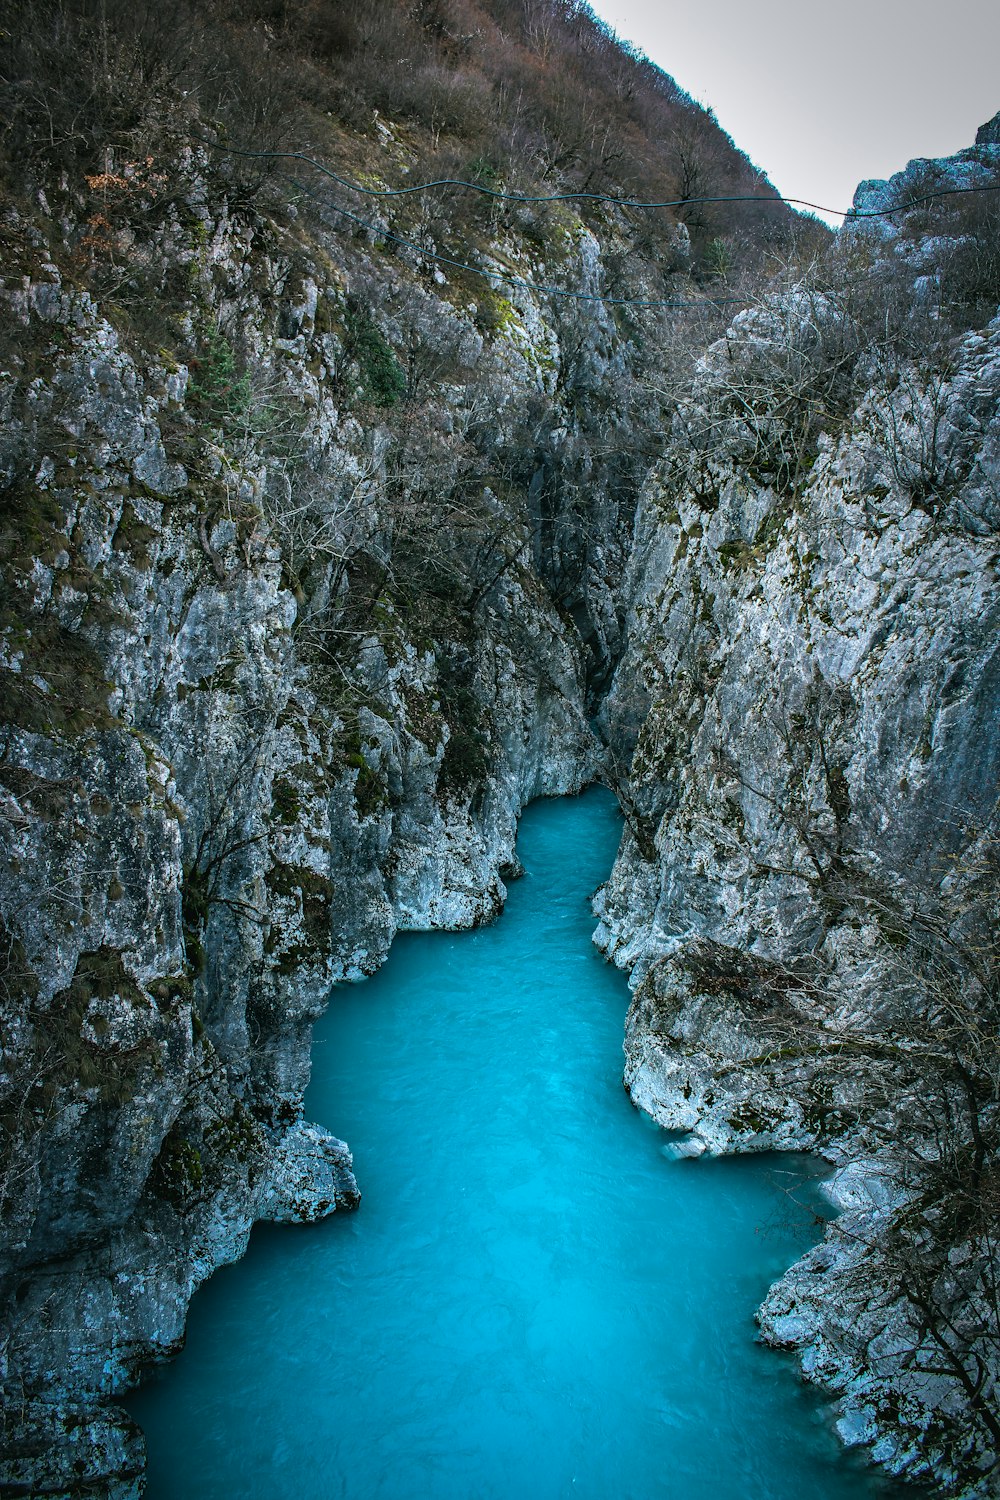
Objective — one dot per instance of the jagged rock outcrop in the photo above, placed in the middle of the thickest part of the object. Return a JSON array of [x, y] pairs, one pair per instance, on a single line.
[[989, 134], [804, 895]]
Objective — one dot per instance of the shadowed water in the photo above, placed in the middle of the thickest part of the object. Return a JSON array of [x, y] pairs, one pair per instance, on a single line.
[[533, 1300]]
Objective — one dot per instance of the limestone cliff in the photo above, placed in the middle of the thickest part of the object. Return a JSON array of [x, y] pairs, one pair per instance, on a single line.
[[806, 897], [312, 559], [333, 534], [220, 793]]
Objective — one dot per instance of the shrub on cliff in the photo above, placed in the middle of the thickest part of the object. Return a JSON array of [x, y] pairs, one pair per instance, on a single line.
[[542, 93]]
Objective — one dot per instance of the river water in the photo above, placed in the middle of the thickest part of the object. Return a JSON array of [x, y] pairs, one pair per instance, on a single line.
[[534, 1300]]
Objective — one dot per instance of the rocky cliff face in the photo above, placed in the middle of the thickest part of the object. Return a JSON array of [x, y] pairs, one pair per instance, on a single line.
[[321, 558], [292, 629], [315, 505], [805, 895]]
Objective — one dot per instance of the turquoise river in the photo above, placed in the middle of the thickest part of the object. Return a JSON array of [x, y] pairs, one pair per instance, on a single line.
[[534, 1300]]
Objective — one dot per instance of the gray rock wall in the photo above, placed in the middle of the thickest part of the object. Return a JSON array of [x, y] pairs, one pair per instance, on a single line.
[[808, 695], [279, 677]]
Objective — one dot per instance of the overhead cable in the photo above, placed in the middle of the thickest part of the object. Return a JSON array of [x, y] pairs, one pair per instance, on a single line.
[[489, 275], [577, 197]]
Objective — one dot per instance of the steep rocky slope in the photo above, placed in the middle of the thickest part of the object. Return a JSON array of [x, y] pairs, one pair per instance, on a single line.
[[806, 893], [224, 788], [313, 544], [320, 554]]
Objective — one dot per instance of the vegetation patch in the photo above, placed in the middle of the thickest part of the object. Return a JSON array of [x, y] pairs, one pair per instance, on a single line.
[[751, 981], [178, 1173], [48, 798], [66, 1058], [465, 763], [237, 1137], [286, 804], [60, 686], [171, 991], [134, 537], [735, 556], [217, 392], [423, 718], [315, 893], [195, 903], [748, 1118], [370, 795], [383, 381]]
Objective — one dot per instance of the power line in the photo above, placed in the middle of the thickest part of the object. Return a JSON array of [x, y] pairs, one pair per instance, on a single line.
[[576, 197], [671, 303]]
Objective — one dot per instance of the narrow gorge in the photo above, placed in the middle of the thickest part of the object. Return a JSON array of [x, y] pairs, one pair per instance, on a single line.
[[536, 1297], [339, 522]]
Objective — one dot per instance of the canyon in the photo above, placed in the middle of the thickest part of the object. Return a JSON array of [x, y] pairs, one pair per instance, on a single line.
[[334, 537]]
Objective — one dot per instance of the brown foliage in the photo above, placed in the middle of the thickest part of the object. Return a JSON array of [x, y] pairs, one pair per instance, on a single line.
[[530, 92]]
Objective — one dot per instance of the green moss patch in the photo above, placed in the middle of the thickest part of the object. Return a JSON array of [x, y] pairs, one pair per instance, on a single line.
[[178, 1172], [383, 381], [66, 1058], [315, 892]]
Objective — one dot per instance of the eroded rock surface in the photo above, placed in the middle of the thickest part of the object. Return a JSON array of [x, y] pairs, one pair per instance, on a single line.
[[311, 586], [804, 896], [281, 664]]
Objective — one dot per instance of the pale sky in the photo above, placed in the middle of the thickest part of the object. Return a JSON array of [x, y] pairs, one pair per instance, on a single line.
[[823, 96]]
